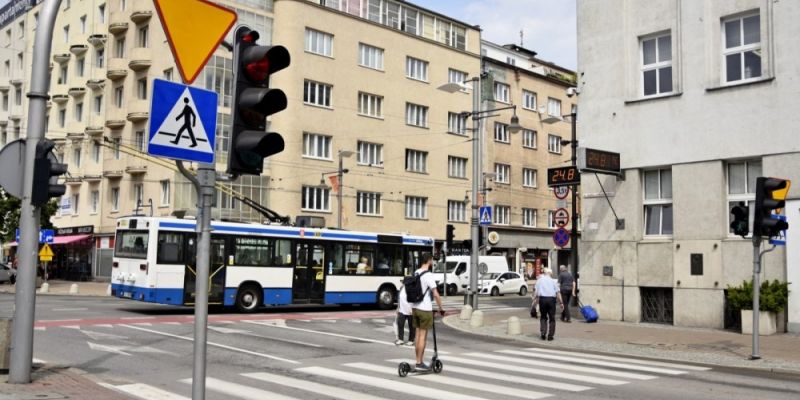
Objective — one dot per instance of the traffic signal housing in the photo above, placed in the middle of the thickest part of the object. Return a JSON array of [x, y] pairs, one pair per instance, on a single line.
[[740, 225], [46, 170], [450, 236], [253, 102], [770, 196]]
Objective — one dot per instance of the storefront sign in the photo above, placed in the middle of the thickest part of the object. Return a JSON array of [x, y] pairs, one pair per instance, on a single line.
[[105, 242], [75, 230]]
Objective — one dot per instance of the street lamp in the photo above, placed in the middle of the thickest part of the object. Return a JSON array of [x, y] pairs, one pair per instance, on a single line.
[[340, 175], [477, 114]]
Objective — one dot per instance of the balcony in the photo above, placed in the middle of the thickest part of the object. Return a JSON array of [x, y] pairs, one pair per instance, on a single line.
[[5, 85], [73, 180], [116, 69], [92, 178], [141, 11], [141, 58], [16, 81], [138, 111], [136, 169], [61, 57], [60, 98], [98, 39], [77, 91], [16, 114], [78, 136], [117, 23], [115, 123], [3, 122], [78, 49], [96, 84], [113, 174], [94, 130]]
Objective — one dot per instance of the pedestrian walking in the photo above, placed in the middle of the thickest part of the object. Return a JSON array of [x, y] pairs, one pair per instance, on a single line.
[[547, 293], [422, 311], [404, 315], [566, 282]]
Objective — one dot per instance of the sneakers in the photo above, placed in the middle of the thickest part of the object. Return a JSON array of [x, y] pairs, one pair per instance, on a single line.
[[409, 343], [398, 342], [422, 367]]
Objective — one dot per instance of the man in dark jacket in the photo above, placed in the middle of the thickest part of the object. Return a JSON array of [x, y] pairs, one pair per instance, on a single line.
[[566, 282]]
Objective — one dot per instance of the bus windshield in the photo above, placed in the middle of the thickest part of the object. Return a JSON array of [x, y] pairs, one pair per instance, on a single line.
[[131, 244]]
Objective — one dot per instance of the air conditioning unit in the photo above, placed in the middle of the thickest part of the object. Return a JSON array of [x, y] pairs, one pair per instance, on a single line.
[[309, 221]]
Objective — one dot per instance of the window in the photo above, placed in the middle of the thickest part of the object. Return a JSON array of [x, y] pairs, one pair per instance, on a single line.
[[657, 65], [142, 36], [18, 96], [742, 52], [63, 72], [411, 21], [370, 105], [138, 194], [171, 247], [528, 100], [138, 140], [416, 207], [416, 69], [62, 117], [20, 61], [119, 95], [528, 139], [456, 167], [554, 144], [457, 123], [96, 151], [76, 199], [501, 133], [551, 219], [131, 244], [95, 200], [456, 76], [5, 101], [529, 217], [316, 93], [416, 115], [21, 27], [165, 194], [501, 91], [529, 177], [316, 198], [119, 48], [168, 74], [101, 13], [319, 42], [79, 112], [416, 161], [511, 60], [370, 57], [141, 89], [116, 141], [99, 57], [316, 146], [80, 66], [370, 153], [83, 23], [456, 211], [742, 185], [502, 215], [553, 107], [98, 104], [76, 156], [114, 199], [658, 202], [502, 173], [66, 34], [368, 203]]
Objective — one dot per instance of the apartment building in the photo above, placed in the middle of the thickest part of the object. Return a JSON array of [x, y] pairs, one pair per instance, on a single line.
[[699, 99]]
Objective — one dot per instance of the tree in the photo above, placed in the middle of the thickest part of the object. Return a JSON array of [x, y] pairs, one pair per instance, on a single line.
[[9, 215]]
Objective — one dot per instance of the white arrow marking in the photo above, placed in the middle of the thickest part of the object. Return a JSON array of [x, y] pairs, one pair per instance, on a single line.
[[222, 329], [109, 349], [101, 335]]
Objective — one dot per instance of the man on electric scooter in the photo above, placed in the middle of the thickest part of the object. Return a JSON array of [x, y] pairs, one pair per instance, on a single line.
[[422, 313]]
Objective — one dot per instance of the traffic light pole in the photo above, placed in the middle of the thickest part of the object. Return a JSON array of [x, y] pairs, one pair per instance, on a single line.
[[573, 237], [472, 291], [25, 298], [756, 295]]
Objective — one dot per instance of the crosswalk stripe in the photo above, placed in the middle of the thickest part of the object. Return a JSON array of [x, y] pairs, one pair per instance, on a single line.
[[238, 391], [462, 383], [147, 392], [629, 360], [546, 364], [511, 378], [409, 389], [310, 386], [600, 363], [538, 372]]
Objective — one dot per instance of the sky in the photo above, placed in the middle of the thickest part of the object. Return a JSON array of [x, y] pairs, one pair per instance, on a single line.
[[548, 25]]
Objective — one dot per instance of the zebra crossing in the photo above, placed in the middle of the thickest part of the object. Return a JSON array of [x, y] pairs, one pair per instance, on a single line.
[[456, 302], [524, 373]]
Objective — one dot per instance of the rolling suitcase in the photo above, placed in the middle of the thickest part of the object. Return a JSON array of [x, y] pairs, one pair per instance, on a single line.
[[588, 312]]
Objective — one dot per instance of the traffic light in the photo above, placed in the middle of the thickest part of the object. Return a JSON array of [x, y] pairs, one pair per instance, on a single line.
[[253, 102], [770, 195], [46, 170], [450, 235], [740, 225]]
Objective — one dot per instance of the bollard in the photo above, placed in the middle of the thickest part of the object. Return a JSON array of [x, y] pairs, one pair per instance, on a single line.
[[73, 289], [514, 327], [45, 288], [466, 312], [108, 290], [477, 319]]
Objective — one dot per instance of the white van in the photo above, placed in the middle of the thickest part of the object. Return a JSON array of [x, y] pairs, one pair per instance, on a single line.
[[458, 271]]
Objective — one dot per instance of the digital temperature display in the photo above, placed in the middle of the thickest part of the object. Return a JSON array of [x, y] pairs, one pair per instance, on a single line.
[[563, 176], [603, 162]]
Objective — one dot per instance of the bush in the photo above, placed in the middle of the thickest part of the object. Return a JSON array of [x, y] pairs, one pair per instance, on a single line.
[[774, 296]]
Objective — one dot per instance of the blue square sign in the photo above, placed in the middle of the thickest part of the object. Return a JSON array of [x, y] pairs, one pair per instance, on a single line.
[[183, 122]]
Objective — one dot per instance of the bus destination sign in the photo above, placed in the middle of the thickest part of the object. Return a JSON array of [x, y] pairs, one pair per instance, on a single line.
[[563, 176], [602, 162]]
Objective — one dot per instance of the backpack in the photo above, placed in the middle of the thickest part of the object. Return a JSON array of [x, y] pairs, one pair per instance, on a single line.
[[413, 286]]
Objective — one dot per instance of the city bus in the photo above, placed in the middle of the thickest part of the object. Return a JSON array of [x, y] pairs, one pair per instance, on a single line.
[[255, 265]]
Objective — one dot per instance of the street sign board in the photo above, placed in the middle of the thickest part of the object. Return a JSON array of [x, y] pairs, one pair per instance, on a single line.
[[11, 159], [46, 253], [485, 215], [194, 30], [599, 161], [563, 176], [561, 192], [561, 237], [561, 217], [780, 240], [183, 122], [45, 235]]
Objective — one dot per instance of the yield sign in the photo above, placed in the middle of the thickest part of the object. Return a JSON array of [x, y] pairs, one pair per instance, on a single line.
[[194, 30]]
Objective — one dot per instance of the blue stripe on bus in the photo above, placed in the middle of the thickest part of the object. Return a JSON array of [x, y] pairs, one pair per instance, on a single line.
[[350, 298], [173, 296], [271, 296]]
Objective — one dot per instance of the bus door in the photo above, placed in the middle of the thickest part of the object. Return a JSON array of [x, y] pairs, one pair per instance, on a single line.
[[216, 281], [309, 274]]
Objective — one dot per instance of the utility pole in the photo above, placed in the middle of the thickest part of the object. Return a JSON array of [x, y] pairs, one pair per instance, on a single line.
[[339, 194], [573, 236]]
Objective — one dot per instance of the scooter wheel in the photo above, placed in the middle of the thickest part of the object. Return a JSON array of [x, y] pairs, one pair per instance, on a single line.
[[437, 366], [403, 369]]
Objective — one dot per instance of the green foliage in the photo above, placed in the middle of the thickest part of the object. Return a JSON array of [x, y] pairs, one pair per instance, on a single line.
[[9, 215], [774, 296]]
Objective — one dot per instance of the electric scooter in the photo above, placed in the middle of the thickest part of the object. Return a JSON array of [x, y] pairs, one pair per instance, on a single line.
[[436, 364]]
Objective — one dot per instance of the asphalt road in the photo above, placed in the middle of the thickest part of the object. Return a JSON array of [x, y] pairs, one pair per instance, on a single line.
[[348, 353]]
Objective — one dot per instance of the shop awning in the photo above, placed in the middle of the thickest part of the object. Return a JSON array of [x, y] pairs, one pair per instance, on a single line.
[[66, 239]]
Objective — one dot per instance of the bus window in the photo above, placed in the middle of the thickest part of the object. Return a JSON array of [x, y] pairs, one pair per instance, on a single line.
[[335, 265], [360, 259], [390, 260], [283, 253], [170, 248], [412, 261], [251, 251], [131, 244]]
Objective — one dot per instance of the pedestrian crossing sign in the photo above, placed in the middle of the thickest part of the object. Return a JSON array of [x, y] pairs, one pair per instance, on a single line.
[[485, 215], [183, 120]]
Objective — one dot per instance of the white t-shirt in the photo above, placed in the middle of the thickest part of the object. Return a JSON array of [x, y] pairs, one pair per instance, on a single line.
[[428, 284], [402, 302]]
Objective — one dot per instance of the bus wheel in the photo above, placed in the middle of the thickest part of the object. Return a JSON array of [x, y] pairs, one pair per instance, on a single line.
[[248, 299], [386, 297]]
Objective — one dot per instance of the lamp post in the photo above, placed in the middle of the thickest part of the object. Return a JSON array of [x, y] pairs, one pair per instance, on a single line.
[[340, 176], [477, 114]]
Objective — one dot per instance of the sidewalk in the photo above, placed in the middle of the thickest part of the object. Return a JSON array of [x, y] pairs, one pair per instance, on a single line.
[[63, 288], [706, 346], [58, 383]]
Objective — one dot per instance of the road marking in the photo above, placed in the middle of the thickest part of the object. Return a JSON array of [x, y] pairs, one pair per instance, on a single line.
[[597, 362], [610, 358], [102, 335], [243, 332], [330, 391], [61, 320], [222, 346], [142, 391], [527, 380], [72, 327], [142, 323], [537, 371], [462, 383], [239, 391], [70, 309], [546, 364], [39, 328], [108, 349], [405, 388], [39, 361], [137, 318], [105, 325]]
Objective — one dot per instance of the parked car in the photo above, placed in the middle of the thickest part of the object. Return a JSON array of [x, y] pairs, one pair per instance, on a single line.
[[501, 283], [7, 274]]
